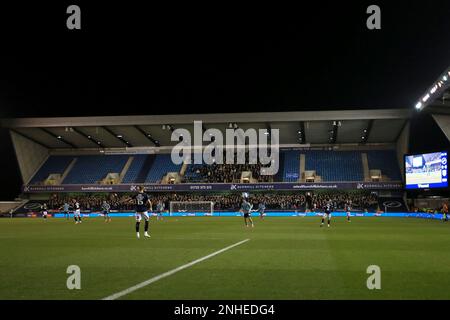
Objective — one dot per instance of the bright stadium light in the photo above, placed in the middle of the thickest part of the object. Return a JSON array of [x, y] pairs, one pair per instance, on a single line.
[[418, 105], [426, 97], [444, 78], [433, 90]]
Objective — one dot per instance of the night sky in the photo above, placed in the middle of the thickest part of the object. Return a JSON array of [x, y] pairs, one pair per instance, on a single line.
[[131, 59]]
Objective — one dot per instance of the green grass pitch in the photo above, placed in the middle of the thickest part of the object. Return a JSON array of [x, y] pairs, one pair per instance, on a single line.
[[286, 258]]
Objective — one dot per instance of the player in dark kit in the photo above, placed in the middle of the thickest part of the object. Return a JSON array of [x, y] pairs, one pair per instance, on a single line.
[[327, 212], [143, 205]]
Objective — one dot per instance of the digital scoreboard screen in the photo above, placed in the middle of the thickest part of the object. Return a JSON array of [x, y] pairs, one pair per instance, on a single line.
[[428, 170]]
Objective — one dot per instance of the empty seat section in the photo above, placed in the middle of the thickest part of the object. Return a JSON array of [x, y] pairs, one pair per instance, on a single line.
[[91, 169], [54, 164], [161, 165], [335, 165], [291, 166], [386, 161], [138, 164]]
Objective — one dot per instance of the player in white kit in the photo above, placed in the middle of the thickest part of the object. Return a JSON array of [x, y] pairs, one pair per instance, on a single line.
[[44, 211], [77, 212]]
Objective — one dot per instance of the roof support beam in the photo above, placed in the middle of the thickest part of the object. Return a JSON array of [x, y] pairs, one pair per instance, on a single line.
[[148, 136], [301, 133], [118, 137], [89, 137], [366, 132], [334, 132], [60, 138]]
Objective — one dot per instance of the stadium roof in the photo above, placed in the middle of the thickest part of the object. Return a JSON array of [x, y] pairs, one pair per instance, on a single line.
[[304, 127]]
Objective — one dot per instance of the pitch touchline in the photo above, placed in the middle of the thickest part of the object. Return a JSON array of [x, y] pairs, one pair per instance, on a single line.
[[169, 273]]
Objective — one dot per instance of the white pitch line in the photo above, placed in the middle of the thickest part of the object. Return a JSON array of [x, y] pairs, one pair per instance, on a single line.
[[169, 273]]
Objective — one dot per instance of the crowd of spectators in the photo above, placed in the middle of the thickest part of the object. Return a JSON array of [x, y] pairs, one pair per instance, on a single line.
[[231, 201], [225, 173]]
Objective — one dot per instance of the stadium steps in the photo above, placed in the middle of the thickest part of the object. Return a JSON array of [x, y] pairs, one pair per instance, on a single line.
[[365, 163], [183, 169], [66, 172], [125, 169], [302, 167], [143, 173]]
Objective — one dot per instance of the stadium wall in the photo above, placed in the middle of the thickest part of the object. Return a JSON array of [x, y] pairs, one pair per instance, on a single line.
[[403, 147], [443, 122], [30, 155]]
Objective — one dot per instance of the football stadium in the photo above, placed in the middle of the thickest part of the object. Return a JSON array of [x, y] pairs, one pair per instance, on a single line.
[[348, 196], [222, 157]]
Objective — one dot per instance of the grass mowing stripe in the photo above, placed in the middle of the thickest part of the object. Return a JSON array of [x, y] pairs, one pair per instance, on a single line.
[[171, 272]]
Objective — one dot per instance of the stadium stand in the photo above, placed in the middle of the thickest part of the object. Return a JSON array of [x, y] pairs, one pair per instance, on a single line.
[[93, 168], [328, 165], [386, 161], [54, 164], [336, 165]]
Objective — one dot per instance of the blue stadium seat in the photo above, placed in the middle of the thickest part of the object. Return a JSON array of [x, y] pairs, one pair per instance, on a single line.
[[54, 164], [135, 169], [291, 165], [386, 161], [91, 169], [161, 165], [335, 165]]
